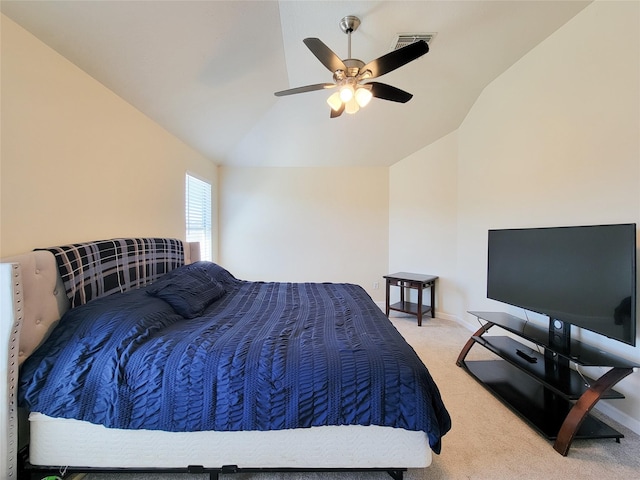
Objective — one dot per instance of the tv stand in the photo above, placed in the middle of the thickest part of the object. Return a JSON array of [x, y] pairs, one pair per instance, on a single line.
[[538, 383]]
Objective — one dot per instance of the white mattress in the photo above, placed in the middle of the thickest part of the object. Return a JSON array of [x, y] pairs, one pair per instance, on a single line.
[[62, 442]]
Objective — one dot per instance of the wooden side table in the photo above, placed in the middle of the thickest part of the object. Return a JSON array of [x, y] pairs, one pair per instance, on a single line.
[[415, 281]]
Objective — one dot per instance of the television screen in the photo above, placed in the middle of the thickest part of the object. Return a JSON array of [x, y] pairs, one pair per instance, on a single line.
[[584, 275]]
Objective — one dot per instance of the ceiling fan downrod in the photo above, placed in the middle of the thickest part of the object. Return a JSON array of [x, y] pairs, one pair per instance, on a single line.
[[348, 25]]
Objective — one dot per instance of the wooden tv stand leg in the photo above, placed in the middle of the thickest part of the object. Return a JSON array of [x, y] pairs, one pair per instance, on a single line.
[[471, 342], [584, 405]]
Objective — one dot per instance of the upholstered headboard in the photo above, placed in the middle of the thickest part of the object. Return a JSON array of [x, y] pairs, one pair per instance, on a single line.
[[33, 297]]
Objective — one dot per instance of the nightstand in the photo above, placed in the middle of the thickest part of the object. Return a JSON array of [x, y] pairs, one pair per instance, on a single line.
[[407, 281]]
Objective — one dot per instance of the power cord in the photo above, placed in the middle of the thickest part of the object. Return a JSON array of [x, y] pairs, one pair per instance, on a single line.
[[526, 322]]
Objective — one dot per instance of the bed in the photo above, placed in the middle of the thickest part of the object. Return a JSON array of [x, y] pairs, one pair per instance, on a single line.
[[131, 354]]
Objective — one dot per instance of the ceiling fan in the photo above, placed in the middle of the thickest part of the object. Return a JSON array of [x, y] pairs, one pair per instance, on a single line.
[[348, 74]]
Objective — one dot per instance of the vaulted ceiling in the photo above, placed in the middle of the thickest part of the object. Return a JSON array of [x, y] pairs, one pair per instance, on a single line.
[[207, 70]]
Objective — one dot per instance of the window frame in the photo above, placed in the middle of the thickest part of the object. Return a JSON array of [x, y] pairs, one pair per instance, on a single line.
[[198, 220]]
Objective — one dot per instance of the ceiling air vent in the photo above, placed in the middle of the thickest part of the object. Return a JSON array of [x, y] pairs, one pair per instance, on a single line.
[[404, 39]]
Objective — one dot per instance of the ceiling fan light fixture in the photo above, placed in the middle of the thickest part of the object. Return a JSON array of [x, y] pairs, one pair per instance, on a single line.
[[335, 102], [363, 96], [348, 73]]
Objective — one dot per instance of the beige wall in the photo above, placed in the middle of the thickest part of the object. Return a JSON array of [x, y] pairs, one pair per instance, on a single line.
[[78, 162], [306, 224], [553, 141], [423, 204]]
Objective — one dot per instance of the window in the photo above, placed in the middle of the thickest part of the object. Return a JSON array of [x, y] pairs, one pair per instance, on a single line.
[[198, 214]]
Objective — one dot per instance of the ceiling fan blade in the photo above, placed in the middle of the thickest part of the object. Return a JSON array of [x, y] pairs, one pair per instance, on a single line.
[[324, 54], [337, 113], [307, 88], [395, 59], [387, 92]]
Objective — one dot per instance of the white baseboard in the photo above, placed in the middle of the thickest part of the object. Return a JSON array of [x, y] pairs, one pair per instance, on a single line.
[[619, 416], [444, 316], [455, 318]]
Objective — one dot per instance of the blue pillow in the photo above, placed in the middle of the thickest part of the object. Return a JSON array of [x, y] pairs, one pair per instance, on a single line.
[[217, 273], [188, 289]]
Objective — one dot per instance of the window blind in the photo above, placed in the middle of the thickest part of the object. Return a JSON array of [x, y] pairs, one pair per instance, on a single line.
[[198, 214]]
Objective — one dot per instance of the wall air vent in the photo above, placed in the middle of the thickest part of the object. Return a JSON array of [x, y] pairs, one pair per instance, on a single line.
[[404, 39]]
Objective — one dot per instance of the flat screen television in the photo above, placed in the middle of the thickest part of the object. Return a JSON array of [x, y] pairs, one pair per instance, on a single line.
[[583, 276]]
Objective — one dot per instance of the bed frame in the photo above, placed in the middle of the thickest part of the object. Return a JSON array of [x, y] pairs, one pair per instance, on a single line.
[[32, 300]]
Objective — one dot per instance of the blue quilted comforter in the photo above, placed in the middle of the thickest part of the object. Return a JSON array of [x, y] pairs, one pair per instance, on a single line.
[[233, 355]]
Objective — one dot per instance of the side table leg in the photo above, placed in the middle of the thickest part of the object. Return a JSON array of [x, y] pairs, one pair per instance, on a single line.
[[419, 313], [387, 303], [433, 299]]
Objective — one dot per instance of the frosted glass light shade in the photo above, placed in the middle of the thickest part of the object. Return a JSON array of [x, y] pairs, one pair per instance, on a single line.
[[335, 102], [351, 106], [346, 93], [363, 96]]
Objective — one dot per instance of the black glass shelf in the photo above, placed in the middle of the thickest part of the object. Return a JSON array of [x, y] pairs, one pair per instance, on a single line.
[[579, 353], [540, 407], [563, 381]]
